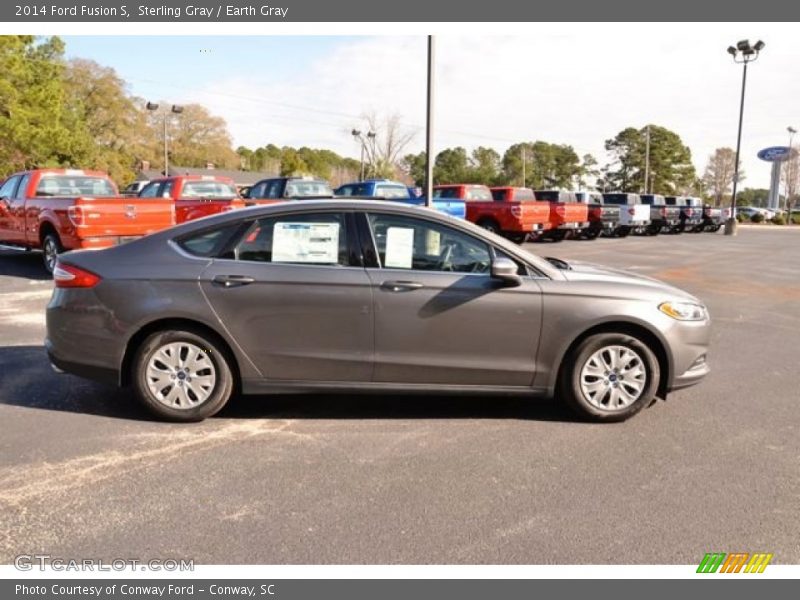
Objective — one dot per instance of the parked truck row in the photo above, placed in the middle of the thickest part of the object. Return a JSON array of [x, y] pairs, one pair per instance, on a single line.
[[55, 210]]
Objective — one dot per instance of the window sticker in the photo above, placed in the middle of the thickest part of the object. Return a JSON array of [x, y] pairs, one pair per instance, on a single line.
[[433, 242], [305, 242], [399, 247]]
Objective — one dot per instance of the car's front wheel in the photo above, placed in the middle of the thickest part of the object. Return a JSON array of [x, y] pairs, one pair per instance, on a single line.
[[182, 375], [609, 377]]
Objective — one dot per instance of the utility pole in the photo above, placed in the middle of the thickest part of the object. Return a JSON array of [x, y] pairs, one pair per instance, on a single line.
[[647, 159], [429, 128], [523, 166]]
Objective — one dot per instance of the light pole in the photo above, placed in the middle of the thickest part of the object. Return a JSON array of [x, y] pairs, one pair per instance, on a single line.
[[357, 135], [647, 160], [429, 158], [743, 53], [174, 109]]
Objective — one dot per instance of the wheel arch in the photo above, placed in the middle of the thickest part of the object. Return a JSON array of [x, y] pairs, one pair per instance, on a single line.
[[177, 323], [654, 341]]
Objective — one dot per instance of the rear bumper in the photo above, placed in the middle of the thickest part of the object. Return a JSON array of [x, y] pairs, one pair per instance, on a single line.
[[94, 372], [100, 242], [581, 225]]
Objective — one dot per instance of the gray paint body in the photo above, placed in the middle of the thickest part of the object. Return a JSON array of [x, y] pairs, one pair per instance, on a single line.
[[303, 327]]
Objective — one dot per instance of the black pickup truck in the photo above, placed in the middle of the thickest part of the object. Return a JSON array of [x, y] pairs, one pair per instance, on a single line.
[[662, 217], [691, 212], [603, 218]]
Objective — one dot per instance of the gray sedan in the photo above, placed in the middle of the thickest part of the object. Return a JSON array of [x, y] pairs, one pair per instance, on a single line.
[[365, 296]]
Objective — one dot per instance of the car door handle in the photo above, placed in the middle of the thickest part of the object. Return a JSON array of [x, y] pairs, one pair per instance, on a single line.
[[229, 281], [401, 286]]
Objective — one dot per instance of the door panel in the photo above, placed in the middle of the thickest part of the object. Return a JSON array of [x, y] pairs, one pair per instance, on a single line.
[[293, 297], [441, 318]]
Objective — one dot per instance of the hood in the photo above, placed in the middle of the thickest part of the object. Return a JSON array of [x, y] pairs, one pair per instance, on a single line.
[[583, 271]]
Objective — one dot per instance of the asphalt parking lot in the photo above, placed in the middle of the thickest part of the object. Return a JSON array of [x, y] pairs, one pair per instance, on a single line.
[[84, 472]]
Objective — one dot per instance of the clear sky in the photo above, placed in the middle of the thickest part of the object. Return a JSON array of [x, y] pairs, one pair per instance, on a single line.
[[577, 84]]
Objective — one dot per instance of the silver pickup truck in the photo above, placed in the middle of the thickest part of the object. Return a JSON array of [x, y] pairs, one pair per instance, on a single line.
[[633, 215], [663, 218]]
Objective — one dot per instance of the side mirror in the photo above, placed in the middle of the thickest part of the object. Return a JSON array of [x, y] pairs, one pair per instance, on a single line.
[[505, 270]]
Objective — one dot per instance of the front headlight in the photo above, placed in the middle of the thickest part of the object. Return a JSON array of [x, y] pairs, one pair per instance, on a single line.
[[683, 311]]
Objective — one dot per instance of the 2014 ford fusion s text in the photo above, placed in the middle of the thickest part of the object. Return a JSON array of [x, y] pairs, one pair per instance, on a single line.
[[340, 295]]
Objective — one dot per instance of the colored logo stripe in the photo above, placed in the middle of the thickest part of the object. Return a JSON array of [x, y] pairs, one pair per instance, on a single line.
[[734, 562]]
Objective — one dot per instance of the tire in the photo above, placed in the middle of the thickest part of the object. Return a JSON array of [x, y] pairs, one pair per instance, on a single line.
[[623, 231], [167, 352], [489, 225], [583, 370], [517, 238], [653, 230], [591, 234], [557, 235], [51, 248]]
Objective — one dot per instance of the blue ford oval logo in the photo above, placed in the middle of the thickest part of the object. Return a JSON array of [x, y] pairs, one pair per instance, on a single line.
[[775, 153]]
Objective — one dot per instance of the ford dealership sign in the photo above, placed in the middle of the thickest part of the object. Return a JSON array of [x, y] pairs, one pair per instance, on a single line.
[[775, 153]]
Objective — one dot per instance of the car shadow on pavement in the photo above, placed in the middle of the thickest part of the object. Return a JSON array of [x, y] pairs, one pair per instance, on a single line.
[[25, 265], [26, 380]]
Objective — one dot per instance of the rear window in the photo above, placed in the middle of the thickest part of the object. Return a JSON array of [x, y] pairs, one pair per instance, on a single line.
[[448, 192], [69, 186], [304, 189], [478, 193], [391, 191], [548, 196], [619, 199], [208, 189], [208, 243]]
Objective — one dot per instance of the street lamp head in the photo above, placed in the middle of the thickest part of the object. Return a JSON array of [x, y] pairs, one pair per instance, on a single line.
[[177, 109], [743, 45], [759, 46], [791, 129], [151, 106], [371, 134], [732, 51], [355, 133]]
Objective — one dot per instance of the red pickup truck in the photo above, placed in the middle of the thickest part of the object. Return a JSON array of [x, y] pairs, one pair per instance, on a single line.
[[566, 214], [195, 196], [512, 212], [66, 209]]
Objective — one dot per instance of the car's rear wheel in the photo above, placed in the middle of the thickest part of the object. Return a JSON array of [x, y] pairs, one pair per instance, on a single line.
[[517, 238], [51, 248], [182, 375], [489, 225], [609, 377], [623, 231], [591, 234]]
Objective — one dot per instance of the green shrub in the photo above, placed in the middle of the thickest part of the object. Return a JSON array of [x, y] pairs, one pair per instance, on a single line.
[[757, 218], [741, 217], [796, 219], [779, 220]]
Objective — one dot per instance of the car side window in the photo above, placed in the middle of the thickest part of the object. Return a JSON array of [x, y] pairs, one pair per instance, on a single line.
[[273, 189], [150, 190], [210, 242], [22, 188], [307, 238], [166, 190], [8, 188], [257, 191], [416, 244]]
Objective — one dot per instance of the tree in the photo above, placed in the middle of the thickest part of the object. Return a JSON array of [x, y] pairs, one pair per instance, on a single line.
[[112, 124], [292, 163], [383, 150], [671, 165], [196, 137], [451, 166], [589, 172], [546, 165], [718, 176], [752, 197], [35, 125], [414, 166], [484, 166]]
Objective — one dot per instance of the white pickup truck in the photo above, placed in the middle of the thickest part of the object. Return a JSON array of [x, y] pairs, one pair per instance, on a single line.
[[634, 215]]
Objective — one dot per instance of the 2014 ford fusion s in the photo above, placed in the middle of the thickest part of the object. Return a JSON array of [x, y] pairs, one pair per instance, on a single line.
[[366, 296]]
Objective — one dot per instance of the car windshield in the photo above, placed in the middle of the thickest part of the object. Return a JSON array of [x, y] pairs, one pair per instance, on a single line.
[[478, 193], [304, 189], [70, 186], [208, 189]]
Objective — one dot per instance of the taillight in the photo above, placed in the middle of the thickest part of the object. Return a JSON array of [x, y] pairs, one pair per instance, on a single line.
[[663, 212], [516, 210], [69, 276], [560, 210], [77, 215], [631, 211]]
